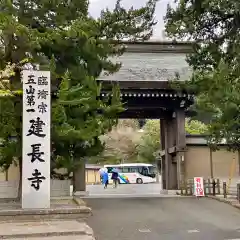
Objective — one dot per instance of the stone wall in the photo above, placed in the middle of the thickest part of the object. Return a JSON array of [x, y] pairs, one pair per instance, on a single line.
[[8, 189], [59, 188], [221, 164]]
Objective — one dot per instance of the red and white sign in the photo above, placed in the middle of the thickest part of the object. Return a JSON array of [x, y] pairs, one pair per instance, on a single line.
[[198, 187]]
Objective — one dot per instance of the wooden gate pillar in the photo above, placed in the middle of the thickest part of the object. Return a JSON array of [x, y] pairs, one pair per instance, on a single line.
[[180, 145], [173, 143], [169, 168]]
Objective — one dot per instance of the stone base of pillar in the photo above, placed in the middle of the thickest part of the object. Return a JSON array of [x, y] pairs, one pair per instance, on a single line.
[[164, 191], [170, 192], [73, 212], [81, 193]]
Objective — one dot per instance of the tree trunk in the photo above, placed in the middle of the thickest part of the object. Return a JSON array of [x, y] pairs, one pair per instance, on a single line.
[[79, 178], [20, 181], [238, 162]]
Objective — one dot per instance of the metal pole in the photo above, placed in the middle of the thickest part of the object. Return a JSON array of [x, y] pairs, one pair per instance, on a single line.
[[214, 187], [211, 162], [238, 192], [224, 189], [157, 172]]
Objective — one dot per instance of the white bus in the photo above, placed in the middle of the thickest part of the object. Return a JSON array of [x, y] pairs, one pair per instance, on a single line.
[[134, 172]]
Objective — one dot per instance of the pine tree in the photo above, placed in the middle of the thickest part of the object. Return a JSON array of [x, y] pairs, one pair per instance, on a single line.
[[79, 118], [214, 28], [59, 35]]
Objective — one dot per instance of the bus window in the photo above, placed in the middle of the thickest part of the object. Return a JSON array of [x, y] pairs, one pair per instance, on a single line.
[[111, 168], [125, 170], [134, 169], [152, 169], [144, 171]]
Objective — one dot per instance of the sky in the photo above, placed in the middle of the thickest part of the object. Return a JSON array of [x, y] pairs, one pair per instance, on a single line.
[[97, 5]]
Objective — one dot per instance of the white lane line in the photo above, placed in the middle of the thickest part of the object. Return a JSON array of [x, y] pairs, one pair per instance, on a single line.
[[193, 231]]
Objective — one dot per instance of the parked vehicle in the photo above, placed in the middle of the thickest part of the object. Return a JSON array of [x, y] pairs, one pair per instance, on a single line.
[[134, 172]]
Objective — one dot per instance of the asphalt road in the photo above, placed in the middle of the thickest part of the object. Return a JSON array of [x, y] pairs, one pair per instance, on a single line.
[[125, 190], [163, 219]]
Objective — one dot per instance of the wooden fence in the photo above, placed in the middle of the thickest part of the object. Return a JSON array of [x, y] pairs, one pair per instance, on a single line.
[[233, 192], [211, 187]]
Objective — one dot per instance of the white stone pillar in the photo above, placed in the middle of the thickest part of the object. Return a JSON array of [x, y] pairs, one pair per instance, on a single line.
[[36, 150]]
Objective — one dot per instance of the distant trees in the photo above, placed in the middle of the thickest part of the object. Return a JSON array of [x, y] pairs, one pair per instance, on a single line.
[[149, 142], [128, 143], [120, 144], [214, 29], [195, 127]]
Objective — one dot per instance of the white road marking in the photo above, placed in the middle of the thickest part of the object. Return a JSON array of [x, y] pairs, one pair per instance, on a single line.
[[193, 231], [144, 230]]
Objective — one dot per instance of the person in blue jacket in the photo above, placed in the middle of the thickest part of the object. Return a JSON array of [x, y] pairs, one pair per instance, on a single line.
[[115, 178], [105, 179]]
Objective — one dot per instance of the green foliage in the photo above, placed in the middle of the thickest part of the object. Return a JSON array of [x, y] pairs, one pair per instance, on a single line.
[[79, 118], [150, 141], [215, 29], [195, 127], [10, 148], [150, 144], [59, 36], [222, 103], [132, 24]]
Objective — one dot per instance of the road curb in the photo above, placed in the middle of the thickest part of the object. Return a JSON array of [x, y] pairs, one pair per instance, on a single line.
[[224, 200], [21, 230], [117, 196], [46, 234]]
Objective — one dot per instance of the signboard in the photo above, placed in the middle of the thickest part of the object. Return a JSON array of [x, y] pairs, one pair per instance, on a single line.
[[198, 187], [36, 139]]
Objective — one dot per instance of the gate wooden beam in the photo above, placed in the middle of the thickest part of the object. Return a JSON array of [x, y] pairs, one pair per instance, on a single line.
[[173, 150]]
